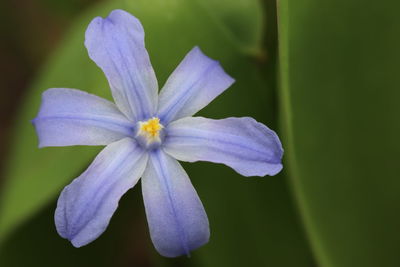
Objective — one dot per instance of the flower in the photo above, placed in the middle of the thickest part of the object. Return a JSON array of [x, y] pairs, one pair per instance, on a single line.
[[145, 134]]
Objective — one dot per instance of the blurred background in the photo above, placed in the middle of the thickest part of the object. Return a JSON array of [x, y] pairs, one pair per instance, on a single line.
[[323, 74]]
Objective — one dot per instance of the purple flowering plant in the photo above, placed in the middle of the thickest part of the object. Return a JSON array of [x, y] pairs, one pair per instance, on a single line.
[[145, 134]]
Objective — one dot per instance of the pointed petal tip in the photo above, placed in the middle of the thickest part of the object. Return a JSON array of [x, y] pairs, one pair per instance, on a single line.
[[119, 12], [198, 50], [276, 170], [111, 18], [33, 122], [228, 78], [68, 235], [77, 244], [40, 145], [184, 252]]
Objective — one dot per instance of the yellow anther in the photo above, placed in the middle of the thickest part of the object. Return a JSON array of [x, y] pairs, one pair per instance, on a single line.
[[151, 129]]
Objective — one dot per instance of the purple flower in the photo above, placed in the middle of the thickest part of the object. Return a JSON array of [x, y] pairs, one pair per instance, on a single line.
[[145, 133]]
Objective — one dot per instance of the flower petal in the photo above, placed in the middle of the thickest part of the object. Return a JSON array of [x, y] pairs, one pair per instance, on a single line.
[[116, 44], [192, 86], [72, 117], [175, 214], [245, 145], [85, 206]]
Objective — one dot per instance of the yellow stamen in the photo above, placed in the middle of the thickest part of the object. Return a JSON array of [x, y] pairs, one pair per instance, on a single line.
[[151, 129]]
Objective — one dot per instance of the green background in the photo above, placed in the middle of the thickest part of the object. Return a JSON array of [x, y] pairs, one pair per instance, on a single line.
[[323, 74]]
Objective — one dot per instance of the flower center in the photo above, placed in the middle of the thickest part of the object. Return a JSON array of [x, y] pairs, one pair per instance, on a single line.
[[151, 127], [149, 132]]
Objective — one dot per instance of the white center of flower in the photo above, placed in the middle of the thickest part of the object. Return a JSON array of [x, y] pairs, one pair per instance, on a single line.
[[150, 131]]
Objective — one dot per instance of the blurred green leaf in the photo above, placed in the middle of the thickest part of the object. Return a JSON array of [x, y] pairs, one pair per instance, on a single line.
[[244, 33], [340, 94], [252, 219], [120, 245]]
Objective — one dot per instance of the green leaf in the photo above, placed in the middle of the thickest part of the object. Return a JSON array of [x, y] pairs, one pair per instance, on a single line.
[[252, 219], [37, 243], [241, 28], [340, 95]]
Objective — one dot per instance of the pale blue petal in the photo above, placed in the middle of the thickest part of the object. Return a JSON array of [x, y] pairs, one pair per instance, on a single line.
[[116, 44], [85, 207], [72, 117], [192, 86], [175, 214], [245, 145]]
